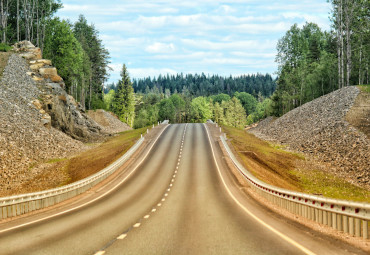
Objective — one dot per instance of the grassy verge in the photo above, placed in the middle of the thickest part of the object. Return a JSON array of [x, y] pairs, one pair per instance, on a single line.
[[94, 160], [271, 164], [364, 88]]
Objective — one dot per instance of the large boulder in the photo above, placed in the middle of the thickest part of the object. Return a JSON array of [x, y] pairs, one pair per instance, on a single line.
[[50, 73], [28, 50]]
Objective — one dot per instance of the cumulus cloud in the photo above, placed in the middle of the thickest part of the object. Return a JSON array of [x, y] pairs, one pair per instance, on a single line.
[[158, 47], [211, 36]]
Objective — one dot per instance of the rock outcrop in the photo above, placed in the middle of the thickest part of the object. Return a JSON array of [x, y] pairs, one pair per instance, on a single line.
[[319, 129], [60, 110], [24, 139]]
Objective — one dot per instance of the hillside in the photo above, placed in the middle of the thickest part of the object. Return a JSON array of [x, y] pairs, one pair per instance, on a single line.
[[39, 121], [320, 130]]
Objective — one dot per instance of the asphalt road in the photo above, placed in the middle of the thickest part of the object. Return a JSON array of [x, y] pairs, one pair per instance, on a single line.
[[176, 197]]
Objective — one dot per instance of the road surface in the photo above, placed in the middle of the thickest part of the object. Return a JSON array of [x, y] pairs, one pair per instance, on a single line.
[[177, 197]]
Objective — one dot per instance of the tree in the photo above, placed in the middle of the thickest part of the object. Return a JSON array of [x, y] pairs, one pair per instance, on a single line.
[[167, 110], [179, 105], [200, 110], [124, 103], [98, 56], [66, 54], [248, 101], [108, 100]]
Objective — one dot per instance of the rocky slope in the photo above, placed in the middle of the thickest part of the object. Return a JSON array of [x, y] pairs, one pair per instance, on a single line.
[[39, 121], [24, 138], [319, 129], [108, 121]]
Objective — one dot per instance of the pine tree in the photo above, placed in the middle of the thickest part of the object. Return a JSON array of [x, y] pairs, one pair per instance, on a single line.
[[124, 101]]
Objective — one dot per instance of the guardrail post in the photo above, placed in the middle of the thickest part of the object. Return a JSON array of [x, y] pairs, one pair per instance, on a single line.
[[320, 212], [365, 233], [351, 226], [345, 224], [334, 221], [340, 222], [358, 227], [325, 217], [5, 212], [330, 219]]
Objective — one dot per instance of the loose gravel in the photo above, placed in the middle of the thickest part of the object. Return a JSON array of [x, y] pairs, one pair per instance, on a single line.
[[24, 141], [319, 130]]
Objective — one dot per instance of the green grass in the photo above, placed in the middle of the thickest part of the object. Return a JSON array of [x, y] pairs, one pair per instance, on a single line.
[[273, 165], [5, 47], [318, 182], [364, 88]]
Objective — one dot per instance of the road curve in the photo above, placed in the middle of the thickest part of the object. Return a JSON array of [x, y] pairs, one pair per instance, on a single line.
[[179, 199]]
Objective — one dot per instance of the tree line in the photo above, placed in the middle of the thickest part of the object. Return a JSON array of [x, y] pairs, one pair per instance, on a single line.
[[312, 62], [75, 49], [144, 109], [202, 85]]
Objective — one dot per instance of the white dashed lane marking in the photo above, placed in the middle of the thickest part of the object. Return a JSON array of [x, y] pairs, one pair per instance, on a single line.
[[121, 237]]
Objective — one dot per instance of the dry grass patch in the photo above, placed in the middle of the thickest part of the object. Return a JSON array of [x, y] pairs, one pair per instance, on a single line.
[[4, 57], [273, 165], [94, 160]]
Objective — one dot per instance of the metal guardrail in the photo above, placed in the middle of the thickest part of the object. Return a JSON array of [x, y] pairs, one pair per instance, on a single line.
[[347, 216], [24, 203]]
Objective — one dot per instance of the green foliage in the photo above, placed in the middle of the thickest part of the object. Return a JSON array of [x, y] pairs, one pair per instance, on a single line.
[[97, 103], [65, 51], [263, 109], [248, 101], [220, 97], [5, 47], [96, 61], [234, 113], [307, 65], [167, 110], [123, 102], [365, 88], [179, 105], [108, 100], [200, 110], [202, 85]]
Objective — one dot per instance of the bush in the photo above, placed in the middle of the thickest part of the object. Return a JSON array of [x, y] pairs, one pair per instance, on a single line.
[[5, 47]]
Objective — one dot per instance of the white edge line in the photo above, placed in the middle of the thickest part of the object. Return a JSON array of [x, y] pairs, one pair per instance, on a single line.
[[286, 238], [91, 201]]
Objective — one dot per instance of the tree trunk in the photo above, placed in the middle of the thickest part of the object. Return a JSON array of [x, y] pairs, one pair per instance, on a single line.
[[342, 44], [339, 40], [18, 39], [349, 15], [360, 64], [82, 94], [2, 18]]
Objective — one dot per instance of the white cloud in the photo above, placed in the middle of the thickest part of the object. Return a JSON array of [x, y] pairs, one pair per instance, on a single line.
[[158, 47], [152, 72], [211, 36]]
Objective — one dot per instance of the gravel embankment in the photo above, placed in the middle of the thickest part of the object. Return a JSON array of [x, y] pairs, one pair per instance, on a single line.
[[24, 140], [319, 129], [110, 124]]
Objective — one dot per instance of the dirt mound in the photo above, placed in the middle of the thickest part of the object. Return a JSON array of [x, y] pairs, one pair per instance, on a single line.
[[108, 121], [319, 129]]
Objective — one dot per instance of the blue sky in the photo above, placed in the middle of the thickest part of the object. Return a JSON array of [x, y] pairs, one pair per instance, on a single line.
[[155, 37]]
